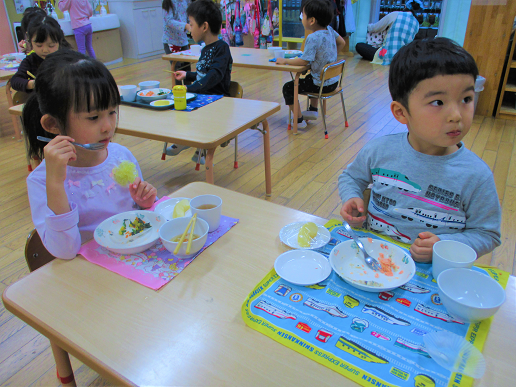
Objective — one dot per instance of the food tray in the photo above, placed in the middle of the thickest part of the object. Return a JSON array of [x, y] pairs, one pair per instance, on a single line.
[[140, 103]]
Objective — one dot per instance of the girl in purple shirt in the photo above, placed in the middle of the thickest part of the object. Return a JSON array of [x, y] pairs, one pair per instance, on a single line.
[[73, 190]]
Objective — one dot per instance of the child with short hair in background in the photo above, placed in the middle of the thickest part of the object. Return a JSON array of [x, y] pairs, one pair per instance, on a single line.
[[73, 190], [426, 185], [213, 75], [321, 48]]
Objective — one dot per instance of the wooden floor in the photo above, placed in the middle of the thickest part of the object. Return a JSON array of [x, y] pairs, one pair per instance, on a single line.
[[304, 176]]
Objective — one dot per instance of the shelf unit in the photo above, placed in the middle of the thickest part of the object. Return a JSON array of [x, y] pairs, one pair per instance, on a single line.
[[506, 108]]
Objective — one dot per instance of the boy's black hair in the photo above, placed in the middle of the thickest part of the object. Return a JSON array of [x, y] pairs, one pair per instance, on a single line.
[[321, 10], [28, 15], [206, 11], [67, 81], [40, 28], [424, 59]]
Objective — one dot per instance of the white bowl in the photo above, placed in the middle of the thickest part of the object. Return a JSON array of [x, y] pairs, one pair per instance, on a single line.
[[156, 94], [469, 295], [107, 234], [148, 85], [272, 49], [348, 262], [176, 227]]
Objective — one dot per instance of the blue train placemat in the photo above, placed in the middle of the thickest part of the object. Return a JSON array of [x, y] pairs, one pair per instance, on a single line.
[[372, 338]]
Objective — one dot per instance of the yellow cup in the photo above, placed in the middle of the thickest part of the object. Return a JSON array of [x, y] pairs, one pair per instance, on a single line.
[[179, 92]]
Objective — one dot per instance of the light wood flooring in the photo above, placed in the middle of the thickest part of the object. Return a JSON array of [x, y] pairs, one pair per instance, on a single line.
[[304, 176]]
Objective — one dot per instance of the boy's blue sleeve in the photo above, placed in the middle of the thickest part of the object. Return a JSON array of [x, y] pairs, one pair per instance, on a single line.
[[356, 177], [483, 219], [310, 49]]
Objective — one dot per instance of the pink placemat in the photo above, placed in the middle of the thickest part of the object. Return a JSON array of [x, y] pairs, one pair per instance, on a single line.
[[154, 267]]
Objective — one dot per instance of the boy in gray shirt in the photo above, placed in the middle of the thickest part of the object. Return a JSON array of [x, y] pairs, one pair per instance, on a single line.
[[321, 48], [426, 185]]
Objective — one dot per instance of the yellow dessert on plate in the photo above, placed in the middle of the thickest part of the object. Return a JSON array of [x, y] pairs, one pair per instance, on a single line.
[[180, 208], [307, 232]]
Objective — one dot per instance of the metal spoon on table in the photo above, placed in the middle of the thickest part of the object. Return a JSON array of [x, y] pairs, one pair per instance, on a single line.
[[370, 261]]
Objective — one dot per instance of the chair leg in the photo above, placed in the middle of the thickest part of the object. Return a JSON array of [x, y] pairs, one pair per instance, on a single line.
[[321, 103], [324, 105], [198, 165], [289, 127], [344, 109], [235, 165], [164, 154], [307, 102]]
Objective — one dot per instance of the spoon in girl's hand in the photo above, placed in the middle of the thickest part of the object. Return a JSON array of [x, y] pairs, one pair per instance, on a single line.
[[95, 146]]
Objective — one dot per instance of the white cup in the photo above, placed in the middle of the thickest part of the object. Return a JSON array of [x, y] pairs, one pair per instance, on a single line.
[[451, 254], [128, 92], [196, 49], [279, 54], [210, 215]]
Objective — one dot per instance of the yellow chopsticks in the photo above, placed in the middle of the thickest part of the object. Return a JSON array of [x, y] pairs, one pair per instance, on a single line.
[[31, 75], [191, 223]]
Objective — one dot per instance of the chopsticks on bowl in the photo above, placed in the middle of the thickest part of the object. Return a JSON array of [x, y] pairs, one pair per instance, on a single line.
[[31, 75], [190, 223]]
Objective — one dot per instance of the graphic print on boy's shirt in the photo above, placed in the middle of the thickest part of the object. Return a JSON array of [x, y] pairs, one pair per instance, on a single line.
[[384, 205]]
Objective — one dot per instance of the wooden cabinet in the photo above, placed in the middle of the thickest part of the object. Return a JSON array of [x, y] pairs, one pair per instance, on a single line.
[[506, 108]]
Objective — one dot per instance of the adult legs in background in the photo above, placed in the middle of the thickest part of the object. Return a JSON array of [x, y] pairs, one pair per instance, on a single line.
[[366, 51]]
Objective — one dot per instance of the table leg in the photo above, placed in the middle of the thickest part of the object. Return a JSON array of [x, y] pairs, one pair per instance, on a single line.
[[209, 165], [173, 68], [296, 102], [64, 368], [267, 158]]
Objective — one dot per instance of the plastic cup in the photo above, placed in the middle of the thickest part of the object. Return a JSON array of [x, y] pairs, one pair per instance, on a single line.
[[196, 49], [451, 254], [209, 208], [279, 54], [128, 92]]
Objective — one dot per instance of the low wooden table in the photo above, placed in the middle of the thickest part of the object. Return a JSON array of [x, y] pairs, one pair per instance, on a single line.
[[205, 128], [5, 74], [252, 58], [191, 331]]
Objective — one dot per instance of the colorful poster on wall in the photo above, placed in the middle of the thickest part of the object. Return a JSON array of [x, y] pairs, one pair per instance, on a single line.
[[20, 5]]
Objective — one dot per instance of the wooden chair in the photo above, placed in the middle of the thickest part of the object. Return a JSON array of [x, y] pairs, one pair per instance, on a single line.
[[329, 71], [36, 254]]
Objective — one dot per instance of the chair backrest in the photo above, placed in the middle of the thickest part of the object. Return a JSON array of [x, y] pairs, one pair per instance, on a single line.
[[235, 90], [36, 254], [332, 70], [20, 97]]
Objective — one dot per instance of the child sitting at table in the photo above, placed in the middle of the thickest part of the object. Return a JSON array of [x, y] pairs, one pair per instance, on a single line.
[[426, 185], [213, 74], [29, 14], [45, 36], [73, 190], [321, 48]]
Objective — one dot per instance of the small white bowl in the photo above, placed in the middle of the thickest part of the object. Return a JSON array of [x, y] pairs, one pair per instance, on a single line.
[[176, 227], [272, 49], [469, 295], [148, 85], [156, 94], [279, 54]]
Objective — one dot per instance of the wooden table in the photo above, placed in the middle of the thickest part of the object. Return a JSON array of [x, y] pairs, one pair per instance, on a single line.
[[191, 331], [252, 58], [205, 128], [6, 74]]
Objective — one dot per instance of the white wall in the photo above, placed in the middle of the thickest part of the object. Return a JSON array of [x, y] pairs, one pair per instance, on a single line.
[[454, 27]]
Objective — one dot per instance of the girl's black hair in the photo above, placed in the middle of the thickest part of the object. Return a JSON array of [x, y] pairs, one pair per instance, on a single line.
[[30, 14], [67, 81], [167, 5], [41, 28]]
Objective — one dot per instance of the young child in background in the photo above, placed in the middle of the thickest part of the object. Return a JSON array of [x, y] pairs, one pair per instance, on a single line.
[[28, 15], [80, 13], [321, 48], [175, 26], [73, 190], [45, 37], [426, 185], [213, 74]]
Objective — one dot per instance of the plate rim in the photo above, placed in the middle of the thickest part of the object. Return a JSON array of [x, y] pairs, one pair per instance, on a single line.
[[309, 251], [98, 240], [319, 227]]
